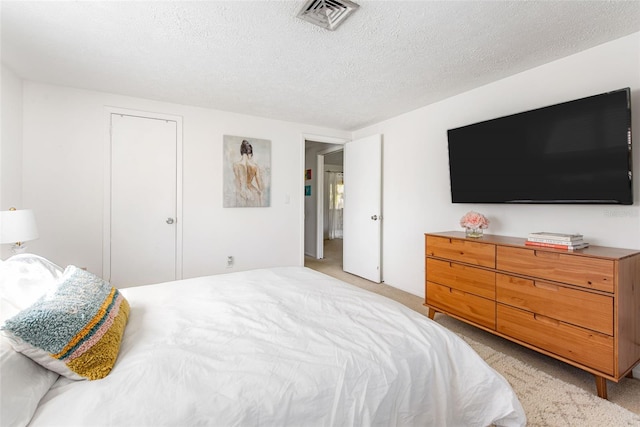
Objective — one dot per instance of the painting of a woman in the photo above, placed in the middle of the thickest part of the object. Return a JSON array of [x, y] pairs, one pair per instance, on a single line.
[[247, 172]]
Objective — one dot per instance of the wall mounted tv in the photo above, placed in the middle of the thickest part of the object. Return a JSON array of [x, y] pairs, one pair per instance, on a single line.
[[574, 152]]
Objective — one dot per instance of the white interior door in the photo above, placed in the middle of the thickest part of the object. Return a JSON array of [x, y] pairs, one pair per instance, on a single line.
[[143, 200], [362, 215]]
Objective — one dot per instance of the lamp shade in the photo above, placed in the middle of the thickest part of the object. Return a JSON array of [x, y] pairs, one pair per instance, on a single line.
[[17, 226]]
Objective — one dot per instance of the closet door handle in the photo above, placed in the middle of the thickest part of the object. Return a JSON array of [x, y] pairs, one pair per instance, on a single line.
[[170, 221]]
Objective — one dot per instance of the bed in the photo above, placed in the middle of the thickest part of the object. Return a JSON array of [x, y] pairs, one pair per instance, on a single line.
[[270, 347]]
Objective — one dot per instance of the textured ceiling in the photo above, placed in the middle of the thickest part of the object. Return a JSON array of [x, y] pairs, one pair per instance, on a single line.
[[256, 57]]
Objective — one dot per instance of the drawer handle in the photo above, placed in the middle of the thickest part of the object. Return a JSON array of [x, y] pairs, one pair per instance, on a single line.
[[455, 291], [544, 254], [545, 319], [547, 286]]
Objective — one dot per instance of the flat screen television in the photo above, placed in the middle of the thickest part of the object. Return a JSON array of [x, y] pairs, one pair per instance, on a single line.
[[574, 152]]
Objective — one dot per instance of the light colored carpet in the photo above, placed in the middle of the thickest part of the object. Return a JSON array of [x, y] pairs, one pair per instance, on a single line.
[[548, 401], [552, 392]]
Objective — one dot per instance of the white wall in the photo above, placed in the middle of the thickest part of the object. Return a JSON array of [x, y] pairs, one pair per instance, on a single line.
[[415, 161], [10, 146], [64, 137]]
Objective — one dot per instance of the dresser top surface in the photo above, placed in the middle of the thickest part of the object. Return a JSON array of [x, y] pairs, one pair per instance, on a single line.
[[592, 250]]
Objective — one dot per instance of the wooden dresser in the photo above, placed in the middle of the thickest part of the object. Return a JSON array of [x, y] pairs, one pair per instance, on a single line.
[[581, 307]]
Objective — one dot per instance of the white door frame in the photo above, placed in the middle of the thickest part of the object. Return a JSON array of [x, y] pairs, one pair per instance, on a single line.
[[320, 200], [106, 216], [314, 138]]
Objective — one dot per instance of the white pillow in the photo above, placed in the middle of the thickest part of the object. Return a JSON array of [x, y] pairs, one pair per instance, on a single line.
[[23, 279], [23, 384]]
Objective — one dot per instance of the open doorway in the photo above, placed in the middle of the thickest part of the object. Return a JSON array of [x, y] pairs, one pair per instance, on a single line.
[[323, 204], [330, 211], [362, 238], [362, 247]]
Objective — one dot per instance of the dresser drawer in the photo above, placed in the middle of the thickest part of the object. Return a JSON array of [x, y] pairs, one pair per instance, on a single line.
[[580, 345], [593, 273], [483, 254], [462, 277], [580, 308], [471, 307]]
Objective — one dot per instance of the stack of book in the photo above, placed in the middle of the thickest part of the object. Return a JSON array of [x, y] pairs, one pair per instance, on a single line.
[[556, 240]]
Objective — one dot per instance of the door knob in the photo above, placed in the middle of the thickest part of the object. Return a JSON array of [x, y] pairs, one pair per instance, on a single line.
[[374, 217], [170, 220]]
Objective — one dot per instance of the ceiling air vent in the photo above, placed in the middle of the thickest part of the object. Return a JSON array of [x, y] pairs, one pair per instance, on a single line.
[[327, 14]]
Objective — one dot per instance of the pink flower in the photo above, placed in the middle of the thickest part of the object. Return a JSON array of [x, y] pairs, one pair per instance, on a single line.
[[474, 220]]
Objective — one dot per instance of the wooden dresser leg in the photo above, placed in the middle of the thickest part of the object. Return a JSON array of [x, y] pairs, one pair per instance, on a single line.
[[630, 374], [601, 386], [432, 313]]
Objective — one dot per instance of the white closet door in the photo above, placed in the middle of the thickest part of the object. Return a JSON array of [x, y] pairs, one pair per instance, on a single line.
[[143, 200]]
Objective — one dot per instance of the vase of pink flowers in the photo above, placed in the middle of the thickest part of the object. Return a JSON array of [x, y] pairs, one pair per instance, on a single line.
[[474, 224]]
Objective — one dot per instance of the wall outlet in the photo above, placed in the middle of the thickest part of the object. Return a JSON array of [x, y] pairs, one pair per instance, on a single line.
[[229, 261]]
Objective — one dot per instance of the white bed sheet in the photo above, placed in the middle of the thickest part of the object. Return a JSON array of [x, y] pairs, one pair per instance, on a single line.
[[282, 347]]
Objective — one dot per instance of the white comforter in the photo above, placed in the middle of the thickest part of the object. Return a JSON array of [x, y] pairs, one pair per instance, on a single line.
[[282, 347]]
